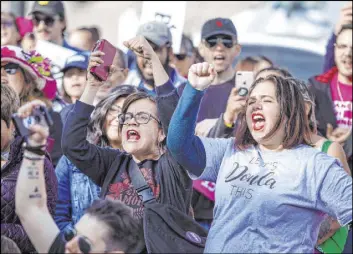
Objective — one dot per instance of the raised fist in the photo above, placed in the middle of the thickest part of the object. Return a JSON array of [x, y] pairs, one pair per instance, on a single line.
[[201, 75], [140, 46]]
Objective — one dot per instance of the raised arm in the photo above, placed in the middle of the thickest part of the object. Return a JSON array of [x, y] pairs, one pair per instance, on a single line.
[[31, 196], [92, 160], [167, 97], [225, 125], [193, 153]]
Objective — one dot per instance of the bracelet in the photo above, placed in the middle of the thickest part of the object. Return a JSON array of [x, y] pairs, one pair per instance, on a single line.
[[228, 125], [35, 149]]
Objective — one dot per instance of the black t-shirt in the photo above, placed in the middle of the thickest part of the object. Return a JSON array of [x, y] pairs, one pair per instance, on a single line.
[[58, 245]]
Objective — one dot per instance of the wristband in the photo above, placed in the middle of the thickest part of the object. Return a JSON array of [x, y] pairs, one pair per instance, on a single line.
[[39, 150]]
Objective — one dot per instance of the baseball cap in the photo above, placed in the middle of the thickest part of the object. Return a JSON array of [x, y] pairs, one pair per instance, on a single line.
[[218, 26], [156, 32], [50, 8], [79, 61]]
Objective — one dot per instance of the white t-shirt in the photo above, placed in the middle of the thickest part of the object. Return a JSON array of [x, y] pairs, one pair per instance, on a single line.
[[268, 202]]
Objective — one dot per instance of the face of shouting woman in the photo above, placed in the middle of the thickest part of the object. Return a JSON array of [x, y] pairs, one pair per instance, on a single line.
[[141, 132], [262, 115]]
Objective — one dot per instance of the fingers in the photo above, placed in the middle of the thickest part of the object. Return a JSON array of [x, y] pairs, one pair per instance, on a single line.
[[42, 131], [97, 53], [202, 69], [26, 110], [39, 135]]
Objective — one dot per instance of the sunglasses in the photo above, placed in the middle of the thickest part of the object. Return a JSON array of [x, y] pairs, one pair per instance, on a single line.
[[213, 41], [7, 23], [83, 242], [48, 21], [11, 68]]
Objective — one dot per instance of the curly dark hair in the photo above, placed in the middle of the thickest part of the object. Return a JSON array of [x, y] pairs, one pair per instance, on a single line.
[[95, 131], [125, 232]]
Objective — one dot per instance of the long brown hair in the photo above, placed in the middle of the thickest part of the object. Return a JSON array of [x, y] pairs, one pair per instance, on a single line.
[[292, 111]]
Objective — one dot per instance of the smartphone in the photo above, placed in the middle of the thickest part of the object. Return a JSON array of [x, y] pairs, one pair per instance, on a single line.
[[101, 72], [243, 81], [40, 115]]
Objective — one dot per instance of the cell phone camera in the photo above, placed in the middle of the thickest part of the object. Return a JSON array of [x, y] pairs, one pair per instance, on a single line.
[[40, 115]]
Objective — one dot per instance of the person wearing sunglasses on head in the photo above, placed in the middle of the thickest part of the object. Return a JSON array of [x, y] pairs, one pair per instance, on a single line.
[[49, 22], [219, 46]]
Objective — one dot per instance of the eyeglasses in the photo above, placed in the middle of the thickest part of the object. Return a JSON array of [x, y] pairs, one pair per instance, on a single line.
[[11, 68], [181, 57], [343, 46], [213, 41], [48, 21], [83, 242], [140, 118], [7, 23]]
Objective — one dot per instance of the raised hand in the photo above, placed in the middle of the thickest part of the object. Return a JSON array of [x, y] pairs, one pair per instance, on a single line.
[[39, 133], [345, 17], [201, 75], [140, 46], [235, 105]]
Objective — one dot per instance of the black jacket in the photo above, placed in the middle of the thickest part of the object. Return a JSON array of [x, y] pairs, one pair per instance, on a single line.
[[319, 87], [103, 164]]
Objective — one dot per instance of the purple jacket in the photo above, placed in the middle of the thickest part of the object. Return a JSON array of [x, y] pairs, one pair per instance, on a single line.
[[10, 223]]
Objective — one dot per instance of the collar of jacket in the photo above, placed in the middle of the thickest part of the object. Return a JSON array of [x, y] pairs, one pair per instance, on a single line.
[[327, 76]]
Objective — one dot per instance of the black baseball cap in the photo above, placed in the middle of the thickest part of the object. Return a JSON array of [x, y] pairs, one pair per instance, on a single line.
[[50, 8], [218, 26]]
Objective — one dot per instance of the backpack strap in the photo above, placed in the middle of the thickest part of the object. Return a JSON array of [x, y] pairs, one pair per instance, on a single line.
[[141, 186], [325, 146]]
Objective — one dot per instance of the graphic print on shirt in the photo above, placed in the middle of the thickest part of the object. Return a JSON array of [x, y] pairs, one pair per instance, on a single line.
[[342, 102], [240, 175], [343, 111], [125, 191]]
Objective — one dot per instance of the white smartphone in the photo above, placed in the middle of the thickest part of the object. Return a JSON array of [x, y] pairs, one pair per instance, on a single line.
[[243, 81]]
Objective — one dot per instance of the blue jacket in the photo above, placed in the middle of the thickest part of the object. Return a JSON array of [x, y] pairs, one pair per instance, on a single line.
[[76, 192]]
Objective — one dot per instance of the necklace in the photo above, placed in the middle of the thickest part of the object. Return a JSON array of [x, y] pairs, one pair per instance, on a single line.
[[339, 91]]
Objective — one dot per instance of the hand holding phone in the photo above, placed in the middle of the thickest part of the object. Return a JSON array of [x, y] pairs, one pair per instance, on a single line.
[[32, 122], [101, 72], [243, 81]]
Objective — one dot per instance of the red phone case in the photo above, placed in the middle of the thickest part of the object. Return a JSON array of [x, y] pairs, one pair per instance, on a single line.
[[102, 71]]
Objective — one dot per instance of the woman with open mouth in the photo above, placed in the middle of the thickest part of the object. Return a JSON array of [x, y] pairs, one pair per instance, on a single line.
[[272, 189], [143, 125]]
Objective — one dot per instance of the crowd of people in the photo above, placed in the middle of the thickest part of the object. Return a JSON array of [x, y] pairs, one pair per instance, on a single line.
[[167, 155]]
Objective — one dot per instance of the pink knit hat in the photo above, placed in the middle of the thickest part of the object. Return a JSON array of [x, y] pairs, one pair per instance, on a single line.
[[34, 64]]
